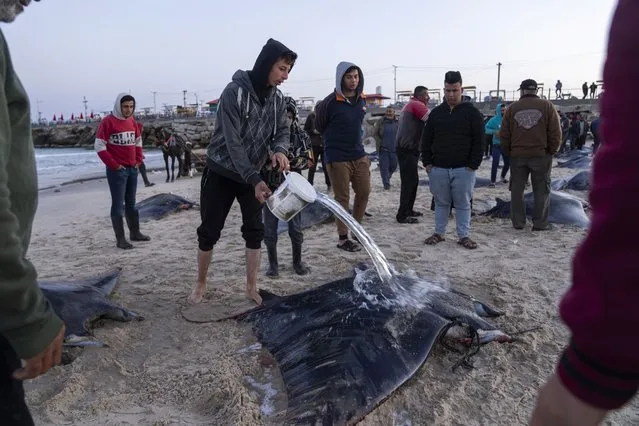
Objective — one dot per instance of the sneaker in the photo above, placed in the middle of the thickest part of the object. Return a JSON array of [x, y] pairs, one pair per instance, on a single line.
[[504, 180], [491, 185]]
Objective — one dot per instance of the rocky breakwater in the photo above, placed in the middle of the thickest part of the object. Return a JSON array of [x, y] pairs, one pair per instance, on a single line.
[[196, 130], [70, 135]]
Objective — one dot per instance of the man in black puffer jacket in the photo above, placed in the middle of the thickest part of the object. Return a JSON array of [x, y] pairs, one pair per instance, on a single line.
[[452, 145]]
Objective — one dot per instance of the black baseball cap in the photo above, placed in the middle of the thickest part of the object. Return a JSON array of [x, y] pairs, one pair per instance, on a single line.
[[528, 84]]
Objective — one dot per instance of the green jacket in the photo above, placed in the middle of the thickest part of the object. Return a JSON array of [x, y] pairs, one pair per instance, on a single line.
[[27, 319]]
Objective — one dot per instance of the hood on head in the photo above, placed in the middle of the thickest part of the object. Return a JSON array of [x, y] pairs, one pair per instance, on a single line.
[[498, 110], [271, 51], [117, 108], [342, 67]]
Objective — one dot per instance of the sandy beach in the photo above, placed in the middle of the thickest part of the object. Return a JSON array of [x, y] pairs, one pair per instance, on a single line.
[[165, 370]]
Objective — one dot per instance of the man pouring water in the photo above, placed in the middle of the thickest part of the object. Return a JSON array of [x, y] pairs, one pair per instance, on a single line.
[[251, 126]]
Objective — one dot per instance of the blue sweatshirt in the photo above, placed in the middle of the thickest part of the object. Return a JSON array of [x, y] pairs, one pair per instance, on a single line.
[[494, 124], [340, 120]]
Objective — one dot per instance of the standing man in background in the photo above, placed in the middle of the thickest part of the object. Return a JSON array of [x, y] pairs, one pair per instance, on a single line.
[[30, 331], [339, 119], [530, 135], [318, 150], [452, 148], [411, 125]]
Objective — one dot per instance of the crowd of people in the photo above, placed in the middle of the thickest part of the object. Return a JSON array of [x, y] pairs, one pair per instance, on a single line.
[[257, 138]]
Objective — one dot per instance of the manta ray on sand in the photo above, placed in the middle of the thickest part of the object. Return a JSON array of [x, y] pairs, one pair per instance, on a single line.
[[342, 348], [82, 301]]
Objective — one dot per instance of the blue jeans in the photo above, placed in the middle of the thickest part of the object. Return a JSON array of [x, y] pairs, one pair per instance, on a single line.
[[270, 228], [497, 152], [387, 166], [122, 183], [452, 185]]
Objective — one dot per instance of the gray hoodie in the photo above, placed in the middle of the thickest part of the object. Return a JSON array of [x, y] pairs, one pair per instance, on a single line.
[[247, 133]]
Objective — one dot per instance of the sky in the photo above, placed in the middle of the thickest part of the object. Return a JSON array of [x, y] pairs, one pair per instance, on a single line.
[[66, 50]]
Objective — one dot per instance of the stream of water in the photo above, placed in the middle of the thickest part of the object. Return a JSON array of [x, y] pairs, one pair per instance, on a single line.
[[378, 258]]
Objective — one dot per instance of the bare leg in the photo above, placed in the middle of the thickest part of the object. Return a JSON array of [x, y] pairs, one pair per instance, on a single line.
[[253, 257], [203, 261]]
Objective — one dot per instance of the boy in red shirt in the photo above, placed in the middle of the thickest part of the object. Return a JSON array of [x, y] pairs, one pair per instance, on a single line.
[[118, 143]]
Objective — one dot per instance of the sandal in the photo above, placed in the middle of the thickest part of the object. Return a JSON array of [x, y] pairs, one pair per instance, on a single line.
[[349, 246], [467, 243], [434, 239]]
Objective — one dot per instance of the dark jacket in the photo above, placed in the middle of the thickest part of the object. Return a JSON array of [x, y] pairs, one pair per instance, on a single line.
[[453, 138], [248, 128], [311, 130], [600, 366], [340, 121]]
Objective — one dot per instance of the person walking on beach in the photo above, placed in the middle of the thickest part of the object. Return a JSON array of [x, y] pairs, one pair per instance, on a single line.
[[598, 371], [300, 154], [251, 124], [385, 135], [317, 143], [118, 143], [411, 125], [493, 128], [531, 136], [31, 334], [593, 90], [452, 146], [339, 118]]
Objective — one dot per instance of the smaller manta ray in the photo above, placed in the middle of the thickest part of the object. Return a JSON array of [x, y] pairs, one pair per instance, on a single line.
[[578, 182], [344, 347], [580, 162], [565, 209], [80, 302], [573, 153], [314, 214], [160, 205]]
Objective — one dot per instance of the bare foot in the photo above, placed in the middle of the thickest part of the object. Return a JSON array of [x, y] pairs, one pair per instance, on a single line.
[[254, 296], [196, 295]]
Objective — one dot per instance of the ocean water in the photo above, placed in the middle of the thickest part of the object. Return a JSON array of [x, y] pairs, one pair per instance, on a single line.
[[57, 166]]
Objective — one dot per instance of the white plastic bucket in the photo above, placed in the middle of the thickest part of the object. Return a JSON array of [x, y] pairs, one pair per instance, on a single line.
[[291, 197]]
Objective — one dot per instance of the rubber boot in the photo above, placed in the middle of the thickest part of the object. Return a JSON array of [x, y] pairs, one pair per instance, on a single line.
[[299, 267], [133, 220], [272, 271], [118, 227]]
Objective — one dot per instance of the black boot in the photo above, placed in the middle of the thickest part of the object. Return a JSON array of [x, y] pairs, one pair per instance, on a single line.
[[118, 227], [272, 271], [133, 220], [299, 267]]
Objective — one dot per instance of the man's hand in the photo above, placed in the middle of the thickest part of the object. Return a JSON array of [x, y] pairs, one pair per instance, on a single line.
[[120, 167], [280, 158], [429, 168], [557, 406], [262, 192], [41, 363]]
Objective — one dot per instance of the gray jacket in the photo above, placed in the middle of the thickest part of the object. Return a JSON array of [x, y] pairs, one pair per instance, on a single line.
[[246, 133]]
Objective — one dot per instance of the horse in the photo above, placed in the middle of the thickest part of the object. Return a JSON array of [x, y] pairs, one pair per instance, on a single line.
[[173, 146]]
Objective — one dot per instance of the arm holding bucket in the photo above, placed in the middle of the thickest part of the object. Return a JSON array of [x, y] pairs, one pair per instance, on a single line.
[[229, 114]]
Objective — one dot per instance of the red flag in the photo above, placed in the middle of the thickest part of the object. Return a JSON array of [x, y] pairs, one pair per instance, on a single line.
[[72, 118], [81, 116], [54, 118], [61, 117]]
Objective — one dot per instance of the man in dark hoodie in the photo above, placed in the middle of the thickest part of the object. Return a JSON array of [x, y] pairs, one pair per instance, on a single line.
[[31, 333], [339, 118], [251, 126], [452, 146]]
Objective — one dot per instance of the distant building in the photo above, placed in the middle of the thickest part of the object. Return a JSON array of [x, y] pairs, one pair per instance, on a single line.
[[375, 100]]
